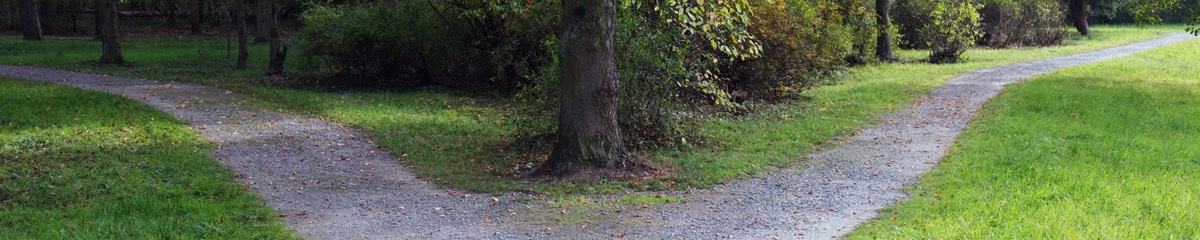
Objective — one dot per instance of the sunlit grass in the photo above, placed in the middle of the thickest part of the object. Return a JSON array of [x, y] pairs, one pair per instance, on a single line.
[[83, 165], [1103, 151]]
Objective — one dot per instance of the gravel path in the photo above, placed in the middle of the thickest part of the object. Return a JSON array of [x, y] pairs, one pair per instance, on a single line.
[[331, 182]]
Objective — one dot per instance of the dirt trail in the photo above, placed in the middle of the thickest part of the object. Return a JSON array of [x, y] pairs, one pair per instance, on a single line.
[[334, 183]]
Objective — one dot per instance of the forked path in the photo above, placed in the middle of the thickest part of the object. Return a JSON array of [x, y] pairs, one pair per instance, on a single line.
[[332, 182]]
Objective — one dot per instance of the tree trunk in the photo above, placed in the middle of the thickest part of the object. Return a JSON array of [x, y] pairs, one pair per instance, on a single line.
[[29, 21], [588, 135], [264, 18], [170, 17], [243, 54], [278, 54], [1079, 16], [194, 18], [389, 4], [883, 19], [106, 19]]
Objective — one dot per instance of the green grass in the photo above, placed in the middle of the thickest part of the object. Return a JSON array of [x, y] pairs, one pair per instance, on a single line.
[[196, 59], [769, 140], [1103, 151], [86, 165], [456, 140]]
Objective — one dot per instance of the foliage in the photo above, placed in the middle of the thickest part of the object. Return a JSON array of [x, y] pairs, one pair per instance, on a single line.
[[804, 42], [466, 44], [1009, 23], [1153, 11], [954, 27], [911, 18], [370, 46]]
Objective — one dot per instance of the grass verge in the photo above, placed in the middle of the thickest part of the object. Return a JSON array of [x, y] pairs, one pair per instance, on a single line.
[[87, 165], [1108, 150], [456, 140]]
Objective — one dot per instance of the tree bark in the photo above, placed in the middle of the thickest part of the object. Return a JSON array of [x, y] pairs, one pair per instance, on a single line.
[[106, 20], [195, 15], [170, 17], [1079, 16], [278, 54], [29, 21], [389, 4], [883, 19], [243, 54], [588, 134], [264, 18]]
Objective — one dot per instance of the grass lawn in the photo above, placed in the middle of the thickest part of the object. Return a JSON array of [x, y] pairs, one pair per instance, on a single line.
[[76, 164], [1103, 151], [455, 140]]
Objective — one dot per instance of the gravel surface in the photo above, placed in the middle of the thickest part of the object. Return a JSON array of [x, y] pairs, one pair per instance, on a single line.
[[331, 182]]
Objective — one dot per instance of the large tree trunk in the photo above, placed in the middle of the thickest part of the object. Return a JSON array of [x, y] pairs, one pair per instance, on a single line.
[[883, 19], [1079, 16], [106, 19], [264, 18], [195, 17], [588, 135], [29, 21], [389, 4], [243, 54]]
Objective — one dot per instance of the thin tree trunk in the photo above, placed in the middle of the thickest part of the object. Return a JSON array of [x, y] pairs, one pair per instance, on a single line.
[[278, 54], [106, 19], [389, 4], [588, 134], [883, 48], [197, 8], [29, 21], [243, 53], [277, 51], [170, 17], [1079, 16], [264, 17]]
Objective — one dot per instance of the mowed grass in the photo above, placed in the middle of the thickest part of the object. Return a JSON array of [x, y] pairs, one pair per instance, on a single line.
[[457, 140], [76, 164], [784, 133], [208, 60], [1103, 151]]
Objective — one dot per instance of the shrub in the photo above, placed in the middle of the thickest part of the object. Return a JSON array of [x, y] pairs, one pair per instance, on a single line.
[[802, 43], [369, 46], [911, 17], [464, 44], [1008, 23], [954, 28]]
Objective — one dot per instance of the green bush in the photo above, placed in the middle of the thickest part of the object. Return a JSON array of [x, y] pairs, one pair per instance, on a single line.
[[1009, 23], [954, 27], [802, 41], [364, 45], [463, 44], [911, 17]]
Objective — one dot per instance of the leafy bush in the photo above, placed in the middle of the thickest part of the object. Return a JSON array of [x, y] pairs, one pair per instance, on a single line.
[[802, 43], [954, 27], [1010, 23], [369, 46], [911, 17], [466, 44]]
